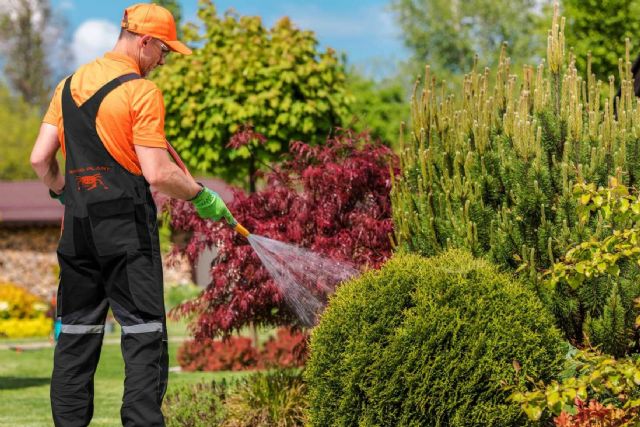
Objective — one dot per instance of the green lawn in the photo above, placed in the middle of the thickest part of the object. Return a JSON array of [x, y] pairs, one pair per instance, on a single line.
[[24, 384]]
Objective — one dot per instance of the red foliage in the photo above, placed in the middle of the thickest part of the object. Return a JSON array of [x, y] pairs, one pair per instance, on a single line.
[[592, 415], [231, 354], [245, 136], [332, 199], [287, 350]]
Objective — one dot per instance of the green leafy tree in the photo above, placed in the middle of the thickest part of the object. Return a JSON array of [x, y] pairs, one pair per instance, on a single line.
[[19, 122], [262, 87], [601, 27], [447, 33], [378, 107]]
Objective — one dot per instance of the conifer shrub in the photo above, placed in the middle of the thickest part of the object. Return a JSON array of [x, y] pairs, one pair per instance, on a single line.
[[493, 170], [429, 342]]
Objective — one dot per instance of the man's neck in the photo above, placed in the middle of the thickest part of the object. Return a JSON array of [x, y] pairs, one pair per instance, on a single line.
[[129, 49], [126, 48]]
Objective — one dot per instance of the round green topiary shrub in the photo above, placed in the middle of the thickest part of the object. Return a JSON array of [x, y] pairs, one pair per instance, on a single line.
[[429, 342]]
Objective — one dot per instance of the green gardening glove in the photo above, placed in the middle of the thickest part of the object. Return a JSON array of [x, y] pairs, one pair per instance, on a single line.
[[209, 205], [56, 196]]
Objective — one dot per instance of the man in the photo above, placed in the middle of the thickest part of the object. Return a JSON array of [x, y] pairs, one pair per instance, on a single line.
[[109, 122]]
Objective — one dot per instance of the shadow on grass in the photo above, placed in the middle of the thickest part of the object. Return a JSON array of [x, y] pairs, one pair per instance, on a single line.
[[13, 383]]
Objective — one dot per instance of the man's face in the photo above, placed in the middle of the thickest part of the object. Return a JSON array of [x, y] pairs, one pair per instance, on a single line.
[[152, 53]]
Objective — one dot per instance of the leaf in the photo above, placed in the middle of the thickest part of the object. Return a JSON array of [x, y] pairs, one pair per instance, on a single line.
[[534, 412], [624, 205], [554, 402]]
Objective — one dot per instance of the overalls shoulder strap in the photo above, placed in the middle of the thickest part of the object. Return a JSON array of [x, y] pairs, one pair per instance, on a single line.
[[91, 105]]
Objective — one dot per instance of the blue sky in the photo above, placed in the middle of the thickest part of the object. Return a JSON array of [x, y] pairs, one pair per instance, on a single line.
[[365, 30]]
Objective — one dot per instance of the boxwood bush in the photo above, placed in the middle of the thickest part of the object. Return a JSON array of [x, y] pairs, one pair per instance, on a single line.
[[429, 342]]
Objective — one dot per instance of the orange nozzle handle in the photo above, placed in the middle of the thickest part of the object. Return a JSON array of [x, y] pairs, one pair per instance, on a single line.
[[240, 229]]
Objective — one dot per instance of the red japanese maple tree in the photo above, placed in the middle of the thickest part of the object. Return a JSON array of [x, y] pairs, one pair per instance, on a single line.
[[332, 199]]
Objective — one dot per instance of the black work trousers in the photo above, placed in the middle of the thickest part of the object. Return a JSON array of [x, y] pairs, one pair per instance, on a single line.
[[131, 284]]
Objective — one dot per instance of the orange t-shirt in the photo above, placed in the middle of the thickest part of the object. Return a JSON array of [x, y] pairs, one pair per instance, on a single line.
[[132, 114]]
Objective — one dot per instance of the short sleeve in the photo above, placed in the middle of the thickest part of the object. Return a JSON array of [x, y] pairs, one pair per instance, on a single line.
[[53, 116], [148, 118]]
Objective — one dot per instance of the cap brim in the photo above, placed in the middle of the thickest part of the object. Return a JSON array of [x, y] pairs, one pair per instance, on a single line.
[[178, 46]]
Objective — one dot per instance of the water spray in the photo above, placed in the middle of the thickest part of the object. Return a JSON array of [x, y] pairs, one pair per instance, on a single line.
[[303, 277]]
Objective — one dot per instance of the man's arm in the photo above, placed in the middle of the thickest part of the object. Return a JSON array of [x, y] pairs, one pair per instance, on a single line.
[[169, 179], [164, 175], [43, 158]]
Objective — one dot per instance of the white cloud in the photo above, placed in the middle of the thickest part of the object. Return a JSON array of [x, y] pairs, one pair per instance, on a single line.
[[92, 39]]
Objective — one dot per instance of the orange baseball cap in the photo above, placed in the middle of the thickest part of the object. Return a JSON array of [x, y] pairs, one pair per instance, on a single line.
[[155, 21]]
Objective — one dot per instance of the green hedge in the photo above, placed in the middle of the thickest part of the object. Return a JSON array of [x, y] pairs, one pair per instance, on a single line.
[[429, 341]]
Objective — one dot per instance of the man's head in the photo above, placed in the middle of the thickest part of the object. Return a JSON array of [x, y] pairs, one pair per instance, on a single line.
[[151, 30]]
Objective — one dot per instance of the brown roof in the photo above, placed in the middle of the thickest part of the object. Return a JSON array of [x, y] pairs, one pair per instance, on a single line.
[[28, 202]]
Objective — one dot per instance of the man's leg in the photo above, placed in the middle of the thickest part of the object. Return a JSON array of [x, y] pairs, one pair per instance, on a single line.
[[134, 289], [82, 304]]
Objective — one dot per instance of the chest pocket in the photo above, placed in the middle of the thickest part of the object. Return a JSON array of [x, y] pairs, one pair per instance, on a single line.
[[113, 226]]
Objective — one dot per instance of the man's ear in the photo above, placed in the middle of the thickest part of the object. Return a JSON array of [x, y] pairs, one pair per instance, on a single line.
[[144, 40]]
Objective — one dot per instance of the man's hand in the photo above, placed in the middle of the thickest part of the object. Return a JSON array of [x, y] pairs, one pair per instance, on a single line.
[[56, 196], [209, 205]]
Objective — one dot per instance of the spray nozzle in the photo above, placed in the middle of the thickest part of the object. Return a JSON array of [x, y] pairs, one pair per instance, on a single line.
[[240, 229], [236, 226]]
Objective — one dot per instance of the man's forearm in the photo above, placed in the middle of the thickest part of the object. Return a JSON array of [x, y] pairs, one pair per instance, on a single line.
[[174, 183], [49, 174]]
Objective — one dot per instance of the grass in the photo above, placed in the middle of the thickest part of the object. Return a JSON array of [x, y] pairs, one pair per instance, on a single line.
[[25, 378]]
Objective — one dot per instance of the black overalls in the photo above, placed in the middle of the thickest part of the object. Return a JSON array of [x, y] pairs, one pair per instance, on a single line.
[[109, 257]]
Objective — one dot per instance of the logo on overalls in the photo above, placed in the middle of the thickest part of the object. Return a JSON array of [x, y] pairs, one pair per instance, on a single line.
[[90, 182]]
